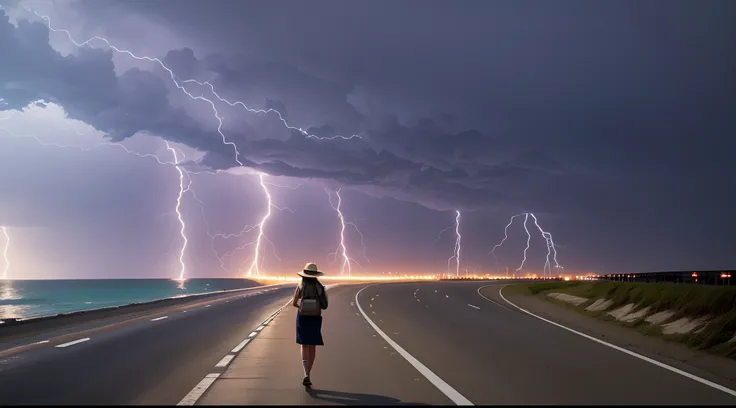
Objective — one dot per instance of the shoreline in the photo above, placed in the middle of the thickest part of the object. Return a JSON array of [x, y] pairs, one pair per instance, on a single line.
[[102, 311]]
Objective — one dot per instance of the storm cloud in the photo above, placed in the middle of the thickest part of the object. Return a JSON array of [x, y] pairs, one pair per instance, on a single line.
[[609, 120]]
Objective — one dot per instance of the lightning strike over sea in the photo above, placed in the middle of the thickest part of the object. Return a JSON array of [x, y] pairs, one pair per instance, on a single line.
[[182, 189], [6, 259], [256, 253]]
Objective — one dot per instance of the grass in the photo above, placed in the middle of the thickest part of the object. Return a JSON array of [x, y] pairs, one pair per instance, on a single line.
[[717, 302]]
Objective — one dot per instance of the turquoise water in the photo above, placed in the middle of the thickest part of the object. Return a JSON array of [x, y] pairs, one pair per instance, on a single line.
[[33, 298]]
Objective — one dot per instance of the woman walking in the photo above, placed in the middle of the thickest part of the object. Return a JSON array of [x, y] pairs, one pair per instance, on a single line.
[[311, 298]]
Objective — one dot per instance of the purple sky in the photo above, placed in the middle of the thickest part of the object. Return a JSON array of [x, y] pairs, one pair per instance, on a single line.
[[613, 123]]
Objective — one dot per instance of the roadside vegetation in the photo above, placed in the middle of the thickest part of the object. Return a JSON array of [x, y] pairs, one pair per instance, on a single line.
[[703, 317]]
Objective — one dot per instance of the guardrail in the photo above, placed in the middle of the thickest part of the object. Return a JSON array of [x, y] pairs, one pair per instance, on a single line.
[[724, 277]]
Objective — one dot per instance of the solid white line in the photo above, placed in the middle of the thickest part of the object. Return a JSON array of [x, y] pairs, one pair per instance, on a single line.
[[199, 389], [475, 307], [225, 361], [159, 318], [71, 343], [623, 350], [441, 385], [240, 346]]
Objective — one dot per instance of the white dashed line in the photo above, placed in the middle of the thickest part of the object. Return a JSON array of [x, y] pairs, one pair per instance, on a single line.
[[41, 342], [159, 318], [71, 343], [629, 352], [184, 311], [240, 346], [199, 389], [225, 361], [252, 334], [447, 296], [445, 388], [371, 305], [208, 305], [259, 328], [473, 306]]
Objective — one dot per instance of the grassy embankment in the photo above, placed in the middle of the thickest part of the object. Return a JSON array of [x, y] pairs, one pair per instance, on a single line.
[[718, 303]]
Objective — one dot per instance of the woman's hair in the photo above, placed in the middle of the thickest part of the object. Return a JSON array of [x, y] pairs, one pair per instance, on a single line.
[[309, 281]]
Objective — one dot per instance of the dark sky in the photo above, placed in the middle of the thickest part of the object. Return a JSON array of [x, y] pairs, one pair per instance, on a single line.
[[613, 122]]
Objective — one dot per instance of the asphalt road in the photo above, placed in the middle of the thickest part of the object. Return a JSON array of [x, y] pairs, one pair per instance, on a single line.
[[154, 358], [492, 354], [439, 343]]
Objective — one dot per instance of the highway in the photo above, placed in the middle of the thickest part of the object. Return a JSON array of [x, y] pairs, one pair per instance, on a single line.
[[426, 343], [155, 358]]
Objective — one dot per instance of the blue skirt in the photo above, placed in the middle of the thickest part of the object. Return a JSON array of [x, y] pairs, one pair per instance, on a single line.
[[309, 330]]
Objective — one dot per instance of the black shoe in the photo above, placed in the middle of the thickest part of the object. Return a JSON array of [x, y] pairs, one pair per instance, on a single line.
[[307, 382]]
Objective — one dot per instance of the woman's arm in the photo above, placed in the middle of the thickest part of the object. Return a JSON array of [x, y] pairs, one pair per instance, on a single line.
[[295, 303]]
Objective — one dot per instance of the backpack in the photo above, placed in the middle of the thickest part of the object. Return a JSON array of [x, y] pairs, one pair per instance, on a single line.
[[313, 299]]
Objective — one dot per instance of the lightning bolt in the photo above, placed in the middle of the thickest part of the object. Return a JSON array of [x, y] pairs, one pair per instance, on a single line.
[[346, 260], [254, 265], [182, 189], [6, 268], [550, 247], [528, 241], [456, 252], [14, 135], [505, 237], [179, 85], [270, 110]]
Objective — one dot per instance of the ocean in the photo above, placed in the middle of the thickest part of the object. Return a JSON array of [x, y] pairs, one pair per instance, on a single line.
[[35, 298]]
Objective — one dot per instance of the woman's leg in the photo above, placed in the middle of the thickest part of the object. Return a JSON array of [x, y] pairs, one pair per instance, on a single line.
[[305, 359], [312, 355]]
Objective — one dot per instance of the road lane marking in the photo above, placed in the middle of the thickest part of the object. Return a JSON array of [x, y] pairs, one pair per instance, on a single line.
[[41, 342], [626, 351], [473, 306], [493, 301], [184, 311], [159, 318], [199, 389], [240, 346], [208, 305], [441, 385], [447, 296], [71, 343], [225, 361]]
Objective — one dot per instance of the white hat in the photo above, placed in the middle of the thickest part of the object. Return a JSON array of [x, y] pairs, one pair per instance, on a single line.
[[310, 271]]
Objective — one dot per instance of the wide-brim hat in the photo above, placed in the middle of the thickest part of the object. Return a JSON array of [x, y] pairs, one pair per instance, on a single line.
[[310, 271]]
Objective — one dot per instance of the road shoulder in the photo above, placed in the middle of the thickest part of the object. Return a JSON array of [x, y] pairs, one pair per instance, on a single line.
[[702, 364], [355, 367]]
